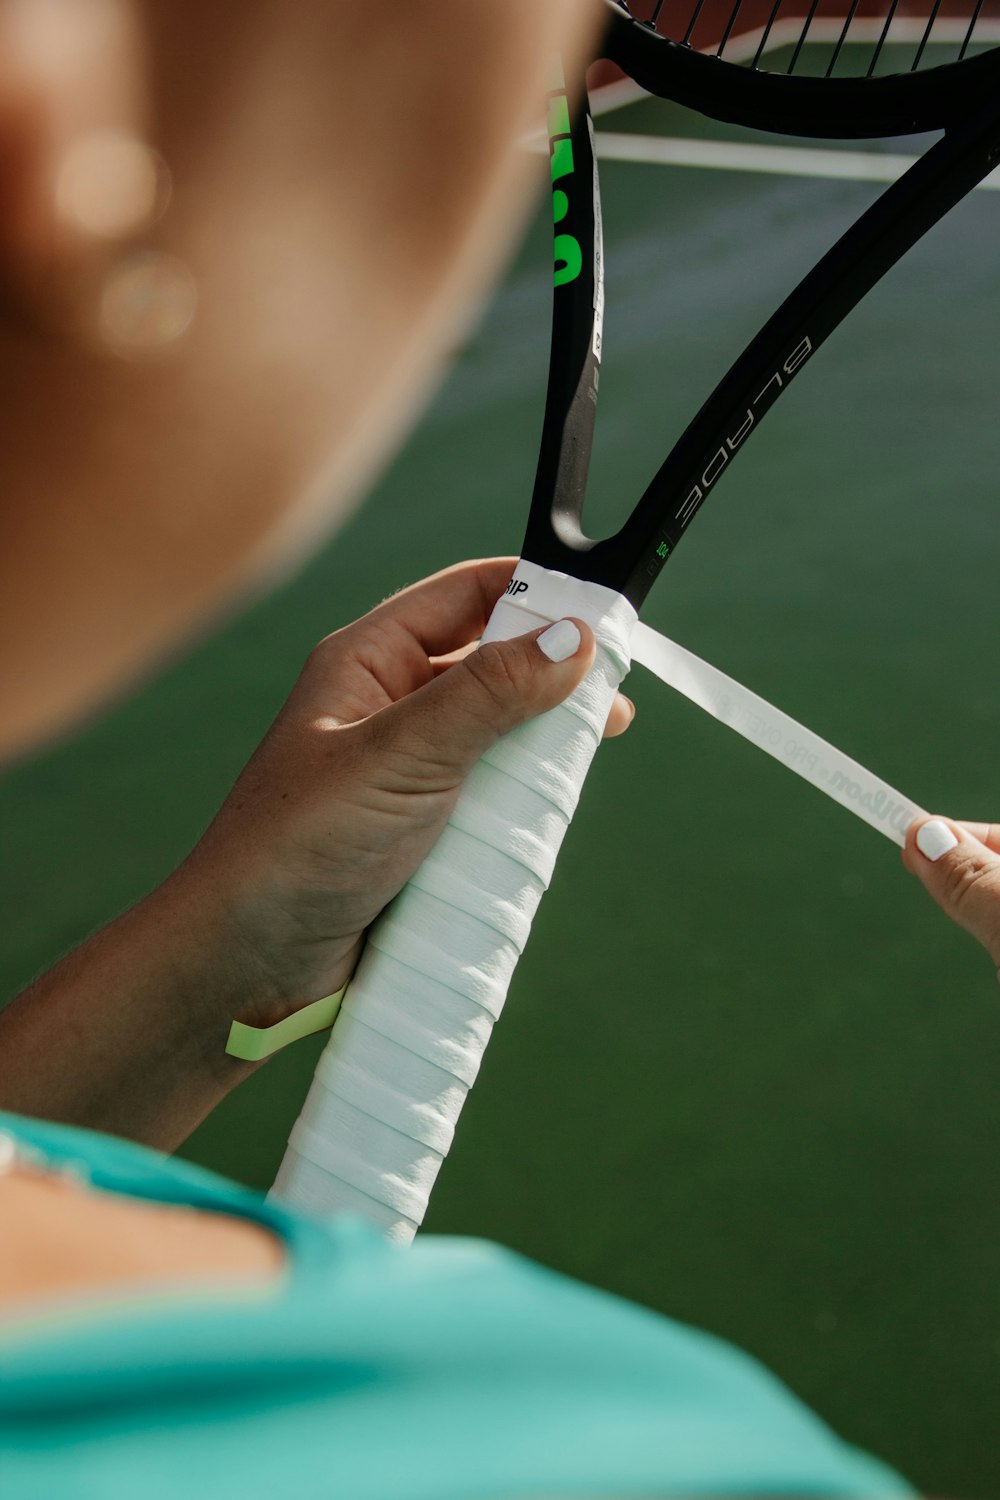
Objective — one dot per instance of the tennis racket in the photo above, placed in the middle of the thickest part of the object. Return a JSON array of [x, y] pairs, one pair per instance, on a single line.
[[381, 1112]]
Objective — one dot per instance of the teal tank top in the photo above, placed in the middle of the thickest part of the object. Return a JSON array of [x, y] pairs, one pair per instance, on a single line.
[[451, 1370]]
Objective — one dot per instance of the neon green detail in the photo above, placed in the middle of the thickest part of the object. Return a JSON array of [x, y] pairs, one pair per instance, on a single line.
[[662, 549], [558, 115], [567, 250], [252, 1043], [562, 158]]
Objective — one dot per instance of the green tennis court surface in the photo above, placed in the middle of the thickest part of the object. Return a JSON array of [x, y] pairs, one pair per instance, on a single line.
[[746, 1074]]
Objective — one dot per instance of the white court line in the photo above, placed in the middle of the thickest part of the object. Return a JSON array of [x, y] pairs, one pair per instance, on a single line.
[[738, 156]]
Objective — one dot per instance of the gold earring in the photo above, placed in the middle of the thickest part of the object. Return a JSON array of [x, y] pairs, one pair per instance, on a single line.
[[111, 189], [97, 279]]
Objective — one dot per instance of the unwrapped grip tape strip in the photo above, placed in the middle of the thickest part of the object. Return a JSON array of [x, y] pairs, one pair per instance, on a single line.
[[818, 762]]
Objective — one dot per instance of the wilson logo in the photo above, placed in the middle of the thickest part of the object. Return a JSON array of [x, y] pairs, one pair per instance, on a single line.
[[876, 802], [743, 425], [566, 247]]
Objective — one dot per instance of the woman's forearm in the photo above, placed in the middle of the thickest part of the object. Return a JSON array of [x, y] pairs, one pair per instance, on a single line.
[[127, 1034]]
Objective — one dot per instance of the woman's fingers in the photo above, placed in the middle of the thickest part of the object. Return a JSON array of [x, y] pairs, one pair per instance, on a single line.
[[403, 643], [986, 833], [961, 871], [436, 735], [621, 715], [411, 639], [622, 710], [448, 610]]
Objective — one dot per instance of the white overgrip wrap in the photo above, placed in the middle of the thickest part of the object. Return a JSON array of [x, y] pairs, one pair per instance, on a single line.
[[814, 759], [406, 1047]]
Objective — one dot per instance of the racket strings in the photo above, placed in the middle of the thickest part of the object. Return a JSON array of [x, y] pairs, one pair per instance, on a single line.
[[873, 64], [927, 34], [797, 53], [838, 49], [828, 38], [692, 23], [972, 26], [765, 34]]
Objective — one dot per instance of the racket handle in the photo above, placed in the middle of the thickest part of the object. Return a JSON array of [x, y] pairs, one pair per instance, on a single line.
[[381, 1112]]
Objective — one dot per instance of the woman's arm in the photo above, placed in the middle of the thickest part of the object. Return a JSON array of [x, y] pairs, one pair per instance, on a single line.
[[334, 812]]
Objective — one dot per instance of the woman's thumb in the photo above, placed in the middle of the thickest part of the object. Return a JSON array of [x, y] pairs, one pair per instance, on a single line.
[[962, 875], [490, 691]]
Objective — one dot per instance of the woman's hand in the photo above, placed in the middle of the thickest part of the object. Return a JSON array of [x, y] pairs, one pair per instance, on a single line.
[[356, 778], [959, 863], [330, 818]]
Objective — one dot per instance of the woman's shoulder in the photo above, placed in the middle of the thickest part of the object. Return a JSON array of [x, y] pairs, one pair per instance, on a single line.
[[448, 1368], [114, 1165]]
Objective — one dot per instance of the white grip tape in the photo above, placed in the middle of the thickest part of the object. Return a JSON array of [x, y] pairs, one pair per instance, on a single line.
[[406, 1047], [817, 761]]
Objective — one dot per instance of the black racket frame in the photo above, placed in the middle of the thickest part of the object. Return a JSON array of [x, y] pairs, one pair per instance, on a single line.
[[962, 99]]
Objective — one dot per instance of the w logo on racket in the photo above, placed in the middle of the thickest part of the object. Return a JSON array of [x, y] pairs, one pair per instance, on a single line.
[[568, 255]]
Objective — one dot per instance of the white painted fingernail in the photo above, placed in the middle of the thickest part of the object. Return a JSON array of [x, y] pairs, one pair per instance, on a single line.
[[560, 641], [935, 838]]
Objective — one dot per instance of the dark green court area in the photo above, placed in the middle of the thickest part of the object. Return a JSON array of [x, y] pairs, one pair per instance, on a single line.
[[747, 1074]]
